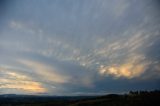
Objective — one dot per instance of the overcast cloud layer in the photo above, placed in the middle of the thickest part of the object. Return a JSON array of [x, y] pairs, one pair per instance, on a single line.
[[77, 47]]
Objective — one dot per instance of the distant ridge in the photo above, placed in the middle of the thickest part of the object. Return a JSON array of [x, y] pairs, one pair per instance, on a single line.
[[133, 98]]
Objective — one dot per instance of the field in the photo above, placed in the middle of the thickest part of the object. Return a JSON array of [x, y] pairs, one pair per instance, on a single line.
[[142, 98]]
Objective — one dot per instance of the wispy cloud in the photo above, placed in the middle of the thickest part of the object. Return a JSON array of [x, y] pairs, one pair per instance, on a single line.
[[10, 79], [75, 46], [44, 71], [23, 27]]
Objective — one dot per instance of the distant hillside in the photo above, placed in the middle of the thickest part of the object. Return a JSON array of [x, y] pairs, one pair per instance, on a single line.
[[141, 98]]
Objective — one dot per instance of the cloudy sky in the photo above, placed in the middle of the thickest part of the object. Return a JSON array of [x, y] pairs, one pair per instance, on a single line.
[[79, 47]]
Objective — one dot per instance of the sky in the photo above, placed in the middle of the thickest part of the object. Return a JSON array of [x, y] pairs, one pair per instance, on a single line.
[[79, 47]]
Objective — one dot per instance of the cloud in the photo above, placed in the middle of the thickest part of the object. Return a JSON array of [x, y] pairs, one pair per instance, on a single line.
[[20, 26], [133, 67], [10, 79], [75, 45], [120, 9], [44, 71]]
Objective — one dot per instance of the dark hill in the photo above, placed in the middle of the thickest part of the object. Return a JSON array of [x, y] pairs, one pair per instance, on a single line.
[[141, 98]]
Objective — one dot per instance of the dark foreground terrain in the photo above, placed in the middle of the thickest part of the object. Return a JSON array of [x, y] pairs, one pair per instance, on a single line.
[[142, 98]]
